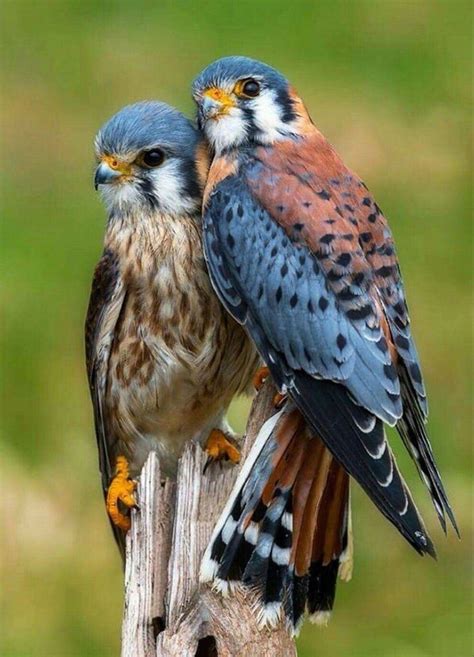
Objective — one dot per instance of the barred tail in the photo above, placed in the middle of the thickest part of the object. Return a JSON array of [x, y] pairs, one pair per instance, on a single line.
[[285, 531]]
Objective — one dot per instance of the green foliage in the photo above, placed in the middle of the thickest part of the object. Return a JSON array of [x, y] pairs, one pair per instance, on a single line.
[[389, 84]]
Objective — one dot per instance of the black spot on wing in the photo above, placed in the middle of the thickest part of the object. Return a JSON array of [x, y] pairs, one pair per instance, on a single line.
[[323, 303], [341, 341], [327, 239], [344, 259], [324, 195], [360, 313]]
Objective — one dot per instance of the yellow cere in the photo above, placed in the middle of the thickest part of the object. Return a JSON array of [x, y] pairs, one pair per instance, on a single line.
[[220, 96], [117, 165]]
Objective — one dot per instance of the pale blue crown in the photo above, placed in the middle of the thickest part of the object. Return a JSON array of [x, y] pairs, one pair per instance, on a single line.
[[146, 124], [228, 69]]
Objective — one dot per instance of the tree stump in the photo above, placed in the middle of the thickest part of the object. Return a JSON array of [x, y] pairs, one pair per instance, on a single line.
[[167, 612]]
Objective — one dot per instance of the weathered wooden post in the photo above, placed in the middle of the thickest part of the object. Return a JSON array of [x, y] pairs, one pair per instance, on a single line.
[[167, 613]]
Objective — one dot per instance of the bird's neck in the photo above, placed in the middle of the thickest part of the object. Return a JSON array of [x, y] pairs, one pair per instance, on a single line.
[[227, 162], [222, 166], [154, 235]]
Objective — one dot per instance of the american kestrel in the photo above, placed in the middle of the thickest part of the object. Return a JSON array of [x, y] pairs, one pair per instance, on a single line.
[[302, 256], [164, 359]]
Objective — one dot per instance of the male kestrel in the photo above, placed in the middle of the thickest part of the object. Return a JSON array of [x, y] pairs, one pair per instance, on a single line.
[[164, 359], [302, 256]]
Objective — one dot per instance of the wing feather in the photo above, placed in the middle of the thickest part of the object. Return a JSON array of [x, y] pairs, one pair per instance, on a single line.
[[307, 263], [105, 305]]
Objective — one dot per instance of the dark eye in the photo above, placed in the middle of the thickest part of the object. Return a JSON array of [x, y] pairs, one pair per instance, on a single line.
[[153, 158], [250, 88]]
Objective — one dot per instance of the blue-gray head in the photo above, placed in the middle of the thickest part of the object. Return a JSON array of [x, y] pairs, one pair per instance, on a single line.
[[241, 100], [147, 159]]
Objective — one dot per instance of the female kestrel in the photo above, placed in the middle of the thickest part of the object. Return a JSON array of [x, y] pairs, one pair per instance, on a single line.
[[164, 359]]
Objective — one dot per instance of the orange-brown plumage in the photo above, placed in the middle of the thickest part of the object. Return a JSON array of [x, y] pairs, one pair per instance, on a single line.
[[307, 497], [328, 539], [222, 168]]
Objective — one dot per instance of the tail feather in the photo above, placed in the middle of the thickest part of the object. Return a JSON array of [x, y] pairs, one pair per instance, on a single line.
[[411, 428], [266, 568], [329, 544], [250, 509], [308, 494], [248, 484], [295, 601], [271, 536], [322, 584], [362, 449]]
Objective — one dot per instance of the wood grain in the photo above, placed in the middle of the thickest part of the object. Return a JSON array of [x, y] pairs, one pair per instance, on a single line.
[[167, 612]]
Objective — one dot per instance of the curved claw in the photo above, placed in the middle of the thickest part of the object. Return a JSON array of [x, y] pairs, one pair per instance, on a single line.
[[220, 447], [121, 488]]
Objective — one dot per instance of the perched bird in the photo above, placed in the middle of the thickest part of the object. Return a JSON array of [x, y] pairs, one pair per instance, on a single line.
[[164, 359], [302, 256]]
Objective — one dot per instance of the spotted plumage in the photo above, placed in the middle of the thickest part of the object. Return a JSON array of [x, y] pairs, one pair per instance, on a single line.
[[163, 357], [301, 255]]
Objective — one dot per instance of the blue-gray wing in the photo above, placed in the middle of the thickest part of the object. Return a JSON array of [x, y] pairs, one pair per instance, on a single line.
[[266, 278], [334, 362]]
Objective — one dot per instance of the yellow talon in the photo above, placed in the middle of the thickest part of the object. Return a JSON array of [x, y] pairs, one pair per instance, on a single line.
[[121, 488], [218, 447], [260, 376]]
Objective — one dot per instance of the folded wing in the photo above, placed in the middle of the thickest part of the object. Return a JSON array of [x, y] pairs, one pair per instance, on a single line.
[[291, 257]]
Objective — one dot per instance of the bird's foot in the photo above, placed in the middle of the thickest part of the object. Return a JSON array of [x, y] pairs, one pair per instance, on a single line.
[[121, 489], [260, 376], [220, 447]]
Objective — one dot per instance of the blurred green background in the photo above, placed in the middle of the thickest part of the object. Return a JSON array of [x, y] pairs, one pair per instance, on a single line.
[[389, 83]]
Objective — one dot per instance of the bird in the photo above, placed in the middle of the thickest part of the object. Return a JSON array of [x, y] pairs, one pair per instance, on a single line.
[[301, 255], [164, 359]]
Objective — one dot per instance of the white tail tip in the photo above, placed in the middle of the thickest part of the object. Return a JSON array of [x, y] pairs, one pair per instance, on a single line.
[[320, 618]]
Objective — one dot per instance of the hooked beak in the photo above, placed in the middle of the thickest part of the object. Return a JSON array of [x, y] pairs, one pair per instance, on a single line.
[[210, 108], [214, 103], [105, 175]]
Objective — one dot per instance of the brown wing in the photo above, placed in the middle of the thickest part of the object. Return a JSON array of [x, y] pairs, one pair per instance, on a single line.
[[105, 304]]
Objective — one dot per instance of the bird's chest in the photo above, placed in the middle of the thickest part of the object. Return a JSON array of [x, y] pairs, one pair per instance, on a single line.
[[168, 339]]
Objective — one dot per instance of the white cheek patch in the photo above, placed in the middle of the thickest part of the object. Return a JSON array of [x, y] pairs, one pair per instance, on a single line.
[[169, 188], [120, 197], [229, 130], [267, 118], [232, 129]]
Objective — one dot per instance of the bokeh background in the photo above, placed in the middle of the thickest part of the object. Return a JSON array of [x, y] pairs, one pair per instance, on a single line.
[[389, 83]]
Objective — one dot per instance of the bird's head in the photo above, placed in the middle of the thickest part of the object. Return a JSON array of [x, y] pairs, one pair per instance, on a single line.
[[147, 159], [241, 100]]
